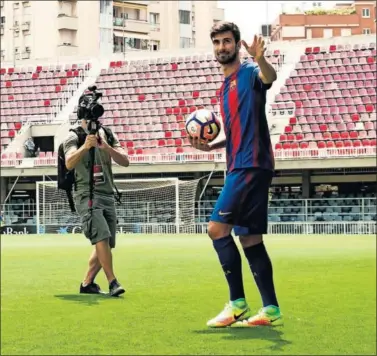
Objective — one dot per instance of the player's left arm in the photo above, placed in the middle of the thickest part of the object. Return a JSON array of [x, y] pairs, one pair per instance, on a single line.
[[115, 151], [266, 72]]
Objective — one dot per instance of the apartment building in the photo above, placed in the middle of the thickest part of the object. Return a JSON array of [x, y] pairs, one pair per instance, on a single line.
[[58, 28], [320, 21]]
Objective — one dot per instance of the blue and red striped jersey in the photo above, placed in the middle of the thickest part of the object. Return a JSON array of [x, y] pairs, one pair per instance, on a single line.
[[242, 104]]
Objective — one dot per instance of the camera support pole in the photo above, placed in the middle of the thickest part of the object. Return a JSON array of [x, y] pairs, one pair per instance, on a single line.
[[93, 129]]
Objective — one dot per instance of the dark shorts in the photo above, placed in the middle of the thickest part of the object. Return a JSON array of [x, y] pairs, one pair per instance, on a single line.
[[243, 202], [101, 224]]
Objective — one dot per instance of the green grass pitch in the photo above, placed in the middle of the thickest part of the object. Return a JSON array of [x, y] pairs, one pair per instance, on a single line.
[[326, 286]]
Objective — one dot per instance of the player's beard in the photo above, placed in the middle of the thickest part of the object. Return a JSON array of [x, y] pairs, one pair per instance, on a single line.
[[226, 58]]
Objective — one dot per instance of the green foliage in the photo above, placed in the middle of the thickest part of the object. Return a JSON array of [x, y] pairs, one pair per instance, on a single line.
[[345, 11]]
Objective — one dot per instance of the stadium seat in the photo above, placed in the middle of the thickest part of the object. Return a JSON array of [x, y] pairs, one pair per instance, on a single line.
[[35, 92], [346, 96]]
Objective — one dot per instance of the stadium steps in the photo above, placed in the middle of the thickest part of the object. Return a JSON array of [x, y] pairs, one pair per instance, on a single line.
[[63, 117], [278, 123]]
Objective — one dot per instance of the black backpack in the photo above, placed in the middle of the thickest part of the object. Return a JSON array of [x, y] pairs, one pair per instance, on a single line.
[[66, 178]]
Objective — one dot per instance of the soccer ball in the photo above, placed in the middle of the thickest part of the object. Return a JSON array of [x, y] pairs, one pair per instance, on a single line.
[[203, 124]]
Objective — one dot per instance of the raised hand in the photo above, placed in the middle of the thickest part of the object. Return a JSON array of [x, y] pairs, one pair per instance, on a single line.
[[256, 49]]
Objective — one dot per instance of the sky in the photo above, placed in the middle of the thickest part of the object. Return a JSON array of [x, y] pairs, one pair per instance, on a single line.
[[250, 15]]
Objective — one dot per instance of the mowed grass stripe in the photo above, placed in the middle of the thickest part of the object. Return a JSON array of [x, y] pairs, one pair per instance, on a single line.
[[326, 286]]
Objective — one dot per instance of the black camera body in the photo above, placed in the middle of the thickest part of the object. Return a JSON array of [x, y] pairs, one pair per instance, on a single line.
[[89, 109]]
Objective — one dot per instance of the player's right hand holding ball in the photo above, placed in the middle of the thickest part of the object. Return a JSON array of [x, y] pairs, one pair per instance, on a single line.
[[199, 144]]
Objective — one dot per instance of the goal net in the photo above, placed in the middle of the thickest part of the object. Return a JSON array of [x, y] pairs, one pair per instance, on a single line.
[[147, 206]]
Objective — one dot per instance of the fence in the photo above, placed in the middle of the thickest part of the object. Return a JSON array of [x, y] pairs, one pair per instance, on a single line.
[[219, 157], [287, 216]]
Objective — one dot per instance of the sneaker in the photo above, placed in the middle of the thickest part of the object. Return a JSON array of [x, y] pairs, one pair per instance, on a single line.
[[92, 288], [267, 316], [233, 312], [115, 289]]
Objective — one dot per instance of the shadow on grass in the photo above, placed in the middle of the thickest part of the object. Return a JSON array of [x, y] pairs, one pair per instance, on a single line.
[[274, 335], [87, 299]]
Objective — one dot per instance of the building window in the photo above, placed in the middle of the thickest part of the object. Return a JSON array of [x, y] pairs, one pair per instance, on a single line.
[[184, 42], [366, 31], [327, 33], [345, 32], [184, 17], [366, 13], [154, 18]]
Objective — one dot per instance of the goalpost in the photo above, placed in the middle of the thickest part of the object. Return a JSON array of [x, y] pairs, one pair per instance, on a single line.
[[157, 205]]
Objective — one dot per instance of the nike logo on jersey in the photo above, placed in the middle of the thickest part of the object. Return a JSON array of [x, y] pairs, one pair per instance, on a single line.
[[236, 317], [223, 214]]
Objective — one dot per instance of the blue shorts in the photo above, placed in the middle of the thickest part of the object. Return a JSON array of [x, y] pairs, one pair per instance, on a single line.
[[243, 202]]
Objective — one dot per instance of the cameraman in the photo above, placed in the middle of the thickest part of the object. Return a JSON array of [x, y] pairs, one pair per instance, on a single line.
[[99, 226]]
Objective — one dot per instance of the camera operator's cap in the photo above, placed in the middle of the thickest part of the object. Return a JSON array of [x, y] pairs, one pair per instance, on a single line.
[[83, 98], [82, 104]]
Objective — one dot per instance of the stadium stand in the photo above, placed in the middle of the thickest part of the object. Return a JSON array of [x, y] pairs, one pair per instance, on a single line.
[[158, 94], [32, 94], [332, 93], [328, 99], [323, 106]]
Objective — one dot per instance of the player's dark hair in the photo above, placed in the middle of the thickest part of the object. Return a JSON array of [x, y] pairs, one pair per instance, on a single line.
[[225, 26]]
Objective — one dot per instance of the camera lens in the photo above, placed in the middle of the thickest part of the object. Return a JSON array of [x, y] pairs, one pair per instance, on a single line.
[[97, 110]]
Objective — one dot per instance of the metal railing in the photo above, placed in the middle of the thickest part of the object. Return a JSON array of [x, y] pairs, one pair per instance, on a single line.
[[310, 210], [286, 216], [312, 154]]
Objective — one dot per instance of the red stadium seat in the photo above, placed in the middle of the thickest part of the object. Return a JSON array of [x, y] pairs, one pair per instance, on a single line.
[[288, 129], [330, 144], [339, 144], [356, 143]]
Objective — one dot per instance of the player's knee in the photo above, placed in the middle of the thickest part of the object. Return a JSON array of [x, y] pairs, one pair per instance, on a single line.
[[217, 230], [250, 240]]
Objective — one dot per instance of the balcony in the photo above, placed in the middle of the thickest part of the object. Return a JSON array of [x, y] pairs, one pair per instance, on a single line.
[[25, 26], [142, 3], [129, 25], [66, 22]]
